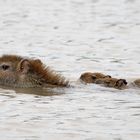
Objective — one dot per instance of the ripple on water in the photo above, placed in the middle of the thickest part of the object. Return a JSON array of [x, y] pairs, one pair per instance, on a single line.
[[72, 37]]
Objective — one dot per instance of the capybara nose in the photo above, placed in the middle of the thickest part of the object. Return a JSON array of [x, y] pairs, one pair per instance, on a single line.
[[125, 82]]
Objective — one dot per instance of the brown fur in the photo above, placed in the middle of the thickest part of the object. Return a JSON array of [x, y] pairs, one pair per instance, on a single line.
[[89, 77], [137, 82], [112, 82], [25, 72]]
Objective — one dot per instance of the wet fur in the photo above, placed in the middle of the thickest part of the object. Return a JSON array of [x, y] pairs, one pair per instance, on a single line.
[[39, 74], [91, 77], [112, 82], [137, 82]]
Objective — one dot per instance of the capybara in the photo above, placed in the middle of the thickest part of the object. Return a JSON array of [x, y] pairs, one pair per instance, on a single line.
[[17, 71], [91, 77], [112, 82]]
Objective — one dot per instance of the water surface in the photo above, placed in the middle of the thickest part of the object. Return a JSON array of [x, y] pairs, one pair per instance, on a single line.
[[72, 36]]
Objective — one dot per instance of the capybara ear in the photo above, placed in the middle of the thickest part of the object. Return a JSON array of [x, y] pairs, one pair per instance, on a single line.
[[38, 61], [24, 66]]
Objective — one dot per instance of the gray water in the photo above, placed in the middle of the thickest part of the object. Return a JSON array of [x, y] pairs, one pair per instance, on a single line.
[[72, 36]]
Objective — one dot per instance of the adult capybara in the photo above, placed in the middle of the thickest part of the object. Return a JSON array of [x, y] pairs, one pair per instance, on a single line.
[[17, 71]]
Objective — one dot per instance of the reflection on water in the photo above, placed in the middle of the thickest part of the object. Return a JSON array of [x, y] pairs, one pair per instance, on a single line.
[[37, 91], [72, 37]]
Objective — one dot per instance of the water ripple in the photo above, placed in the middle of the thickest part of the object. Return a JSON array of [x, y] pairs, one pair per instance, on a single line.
[[72, 37]]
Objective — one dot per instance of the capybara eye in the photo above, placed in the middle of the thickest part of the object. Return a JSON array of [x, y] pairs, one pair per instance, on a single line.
[[107, 76], [94, 77], [5, 67]]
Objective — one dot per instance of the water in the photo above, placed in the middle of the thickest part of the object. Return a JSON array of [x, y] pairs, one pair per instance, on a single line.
[[72, 36]]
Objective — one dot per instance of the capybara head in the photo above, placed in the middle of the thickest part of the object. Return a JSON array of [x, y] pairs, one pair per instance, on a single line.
[[89, 77], [16, 71], [137, 82], [120, 83], [112, 82]]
